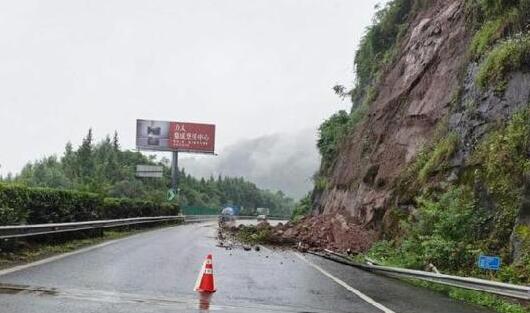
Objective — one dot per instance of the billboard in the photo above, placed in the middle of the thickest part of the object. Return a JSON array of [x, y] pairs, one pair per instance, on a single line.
[[175, 136]]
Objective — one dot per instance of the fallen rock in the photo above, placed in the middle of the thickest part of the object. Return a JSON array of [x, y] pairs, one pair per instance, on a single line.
[[334, 232]]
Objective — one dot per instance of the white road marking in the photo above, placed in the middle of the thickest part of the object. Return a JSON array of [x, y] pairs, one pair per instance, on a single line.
[[266, 249], [67, 254], [348, 287]]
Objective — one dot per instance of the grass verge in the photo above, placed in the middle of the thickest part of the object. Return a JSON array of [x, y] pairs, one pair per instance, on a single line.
[[497, 303]]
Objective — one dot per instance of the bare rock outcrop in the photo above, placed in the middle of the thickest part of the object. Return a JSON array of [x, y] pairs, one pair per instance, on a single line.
[[413, 96]]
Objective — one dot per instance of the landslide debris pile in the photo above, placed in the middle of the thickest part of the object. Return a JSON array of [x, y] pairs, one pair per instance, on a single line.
[[333, 233], [249, 237], [327, 232]]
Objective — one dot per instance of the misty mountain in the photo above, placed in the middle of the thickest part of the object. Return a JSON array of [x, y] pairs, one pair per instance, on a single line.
[[279, 161]]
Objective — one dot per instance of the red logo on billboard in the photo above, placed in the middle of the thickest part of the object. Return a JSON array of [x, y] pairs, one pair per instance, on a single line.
[[192, 137]]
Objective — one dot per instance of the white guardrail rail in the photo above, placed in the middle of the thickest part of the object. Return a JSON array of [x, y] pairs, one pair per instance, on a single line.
[[18, 231], [503, 289]]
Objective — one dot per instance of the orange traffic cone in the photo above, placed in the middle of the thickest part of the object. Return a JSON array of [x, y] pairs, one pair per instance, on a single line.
[[205, 282]]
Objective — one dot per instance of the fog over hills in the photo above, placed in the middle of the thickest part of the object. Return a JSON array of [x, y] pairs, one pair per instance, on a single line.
[[278, 161]]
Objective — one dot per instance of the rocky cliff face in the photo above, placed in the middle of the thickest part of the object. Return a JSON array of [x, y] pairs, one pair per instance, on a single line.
[[414, 94], [427, 92]]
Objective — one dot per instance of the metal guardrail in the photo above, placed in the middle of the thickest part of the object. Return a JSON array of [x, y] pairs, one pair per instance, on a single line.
[[200, 218], [503, 289], [18, 231], [192, 218]]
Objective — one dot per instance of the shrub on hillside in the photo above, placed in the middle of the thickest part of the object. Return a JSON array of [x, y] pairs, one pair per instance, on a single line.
[[330, 134], [508, 56]]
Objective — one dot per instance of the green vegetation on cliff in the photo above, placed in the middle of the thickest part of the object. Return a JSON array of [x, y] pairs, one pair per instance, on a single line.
[[501, 43], [452, 225], [509, 55], [302, 208], [455, 222], [436, 160], [330, 134], [378, 43]]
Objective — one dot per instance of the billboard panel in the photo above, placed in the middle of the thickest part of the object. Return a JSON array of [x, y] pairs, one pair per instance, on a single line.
[[175, 136], [152, 135]]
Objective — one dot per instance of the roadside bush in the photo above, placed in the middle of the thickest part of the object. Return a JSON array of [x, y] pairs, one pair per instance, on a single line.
[[44, 205], [23, 205], [445, 231], [13, 196], [114, 208], [58, 206], [448, 229], [10, 216]]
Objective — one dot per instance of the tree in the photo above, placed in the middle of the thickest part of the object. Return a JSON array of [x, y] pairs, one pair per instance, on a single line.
[[69, 162], [103, 168], [303, 207], [116, 141], [330, 133], [47, 172], [85, 160]]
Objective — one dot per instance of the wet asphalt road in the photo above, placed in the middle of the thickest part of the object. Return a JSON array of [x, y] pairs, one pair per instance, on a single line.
[[156, 272]]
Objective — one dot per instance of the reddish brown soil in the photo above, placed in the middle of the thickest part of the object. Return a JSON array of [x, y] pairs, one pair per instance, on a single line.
[[333, 232]]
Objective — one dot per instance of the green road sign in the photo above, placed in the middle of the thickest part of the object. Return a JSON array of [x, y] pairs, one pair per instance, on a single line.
[[171, 195]]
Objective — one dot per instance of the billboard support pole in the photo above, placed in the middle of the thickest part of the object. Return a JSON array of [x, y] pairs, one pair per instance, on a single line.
[[175, 172]]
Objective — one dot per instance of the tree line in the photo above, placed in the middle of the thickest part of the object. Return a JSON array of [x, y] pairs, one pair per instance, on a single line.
[[104, 168]]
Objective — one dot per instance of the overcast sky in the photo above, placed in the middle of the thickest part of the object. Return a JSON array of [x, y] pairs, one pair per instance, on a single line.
[[255, 68]]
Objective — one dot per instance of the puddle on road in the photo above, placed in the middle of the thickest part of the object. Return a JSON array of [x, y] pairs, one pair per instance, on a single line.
[[202, 303]]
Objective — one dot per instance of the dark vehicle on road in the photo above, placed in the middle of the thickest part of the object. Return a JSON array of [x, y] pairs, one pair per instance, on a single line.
[[227, 217]]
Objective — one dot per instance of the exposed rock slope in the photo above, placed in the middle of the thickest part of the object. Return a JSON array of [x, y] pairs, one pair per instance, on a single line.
[[427, 92], [412, 97]]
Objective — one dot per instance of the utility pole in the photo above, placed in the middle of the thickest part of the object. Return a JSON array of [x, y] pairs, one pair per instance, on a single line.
[[175, 172]]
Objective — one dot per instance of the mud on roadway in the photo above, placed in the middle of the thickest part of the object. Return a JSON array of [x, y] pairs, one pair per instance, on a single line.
[[308, 234]]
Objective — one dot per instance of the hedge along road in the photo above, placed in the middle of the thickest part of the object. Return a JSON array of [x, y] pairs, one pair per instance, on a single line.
[[156, 272]]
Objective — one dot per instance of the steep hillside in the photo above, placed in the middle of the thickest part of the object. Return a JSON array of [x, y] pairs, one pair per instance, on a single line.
[[434, 153]]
